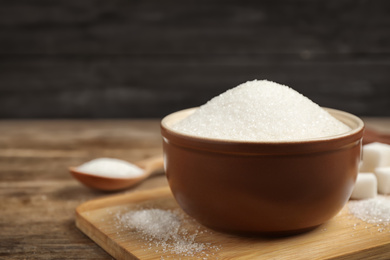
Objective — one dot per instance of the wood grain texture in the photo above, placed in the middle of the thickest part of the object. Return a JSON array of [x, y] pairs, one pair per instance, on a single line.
[[122, 59], [38, 196], [173, 27], [343, 237]]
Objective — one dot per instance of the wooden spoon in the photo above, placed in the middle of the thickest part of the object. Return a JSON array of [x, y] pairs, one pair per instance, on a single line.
[[150, 165], [371, 136]]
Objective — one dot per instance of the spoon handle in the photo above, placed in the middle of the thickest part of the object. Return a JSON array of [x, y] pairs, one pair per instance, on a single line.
[[371, 136], [152, 165]]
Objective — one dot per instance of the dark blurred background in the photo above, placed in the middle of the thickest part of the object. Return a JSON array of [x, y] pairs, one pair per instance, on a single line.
[[147, 58]]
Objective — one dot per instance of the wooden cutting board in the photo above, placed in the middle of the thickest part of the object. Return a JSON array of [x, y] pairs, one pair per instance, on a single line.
[[343, 237]]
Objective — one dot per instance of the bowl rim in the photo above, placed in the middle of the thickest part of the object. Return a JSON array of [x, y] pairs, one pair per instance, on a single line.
[[348, 138]]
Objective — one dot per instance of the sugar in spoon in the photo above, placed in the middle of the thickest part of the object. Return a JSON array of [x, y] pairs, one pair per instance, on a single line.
[[107, 183]]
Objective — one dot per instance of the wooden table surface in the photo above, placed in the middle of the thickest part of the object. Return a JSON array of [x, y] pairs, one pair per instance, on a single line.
[[38, 196]]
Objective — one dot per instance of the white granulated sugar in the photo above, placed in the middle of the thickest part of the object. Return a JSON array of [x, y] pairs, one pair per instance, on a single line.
[[374, 211], [164, 229], [155, 223], [261, 110], [110, 167]]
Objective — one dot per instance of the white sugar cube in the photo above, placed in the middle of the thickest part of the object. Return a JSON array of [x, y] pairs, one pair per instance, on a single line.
[[365, 187], [375, 155], [383, 177]]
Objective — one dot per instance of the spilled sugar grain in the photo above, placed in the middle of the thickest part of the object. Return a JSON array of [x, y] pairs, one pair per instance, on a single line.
[[261, 110], [372, 211], [165, 229]]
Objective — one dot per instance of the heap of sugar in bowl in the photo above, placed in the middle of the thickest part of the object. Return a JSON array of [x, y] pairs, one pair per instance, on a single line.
[[261, 110], [261, 158], [110, 167]]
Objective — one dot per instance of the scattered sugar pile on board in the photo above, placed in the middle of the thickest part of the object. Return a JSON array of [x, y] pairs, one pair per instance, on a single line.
[[110, 167], [261, 111], [373, 211], [164, 229]]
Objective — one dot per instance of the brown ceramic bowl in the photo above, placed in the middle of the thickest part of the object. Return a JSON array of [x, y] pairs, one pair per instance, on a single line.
[[262, 187]]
